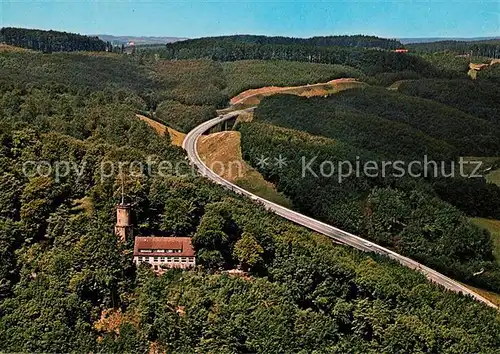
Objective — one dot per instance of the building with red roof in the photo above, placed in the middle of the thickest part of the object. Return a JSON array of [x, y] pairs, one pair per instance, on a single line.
[[164, 252]]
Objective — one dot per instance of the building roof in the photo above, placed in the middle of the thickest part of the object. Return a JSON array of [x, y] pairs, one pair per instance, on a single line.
[[164, 243]]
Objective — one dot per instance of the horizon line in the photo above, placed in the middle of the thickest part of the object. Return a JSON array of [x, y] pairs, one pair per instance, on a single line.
[[265, 35]]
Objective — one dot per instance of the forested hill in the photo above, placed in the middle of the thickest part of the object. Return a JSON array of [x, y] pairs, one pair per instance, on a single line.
[[359, 41], [50, 41], [486, 48], [370, 54], [423, 218]]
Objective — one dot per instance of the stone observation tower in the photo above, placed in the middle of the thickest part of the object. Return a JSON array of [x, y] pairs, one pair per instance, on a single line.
[[123, 227]]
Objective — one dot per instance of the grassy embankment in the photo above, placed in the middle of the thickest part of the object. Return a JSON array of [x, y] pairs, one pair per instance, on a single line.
[[175, 136], [253, 97], [222, 153]]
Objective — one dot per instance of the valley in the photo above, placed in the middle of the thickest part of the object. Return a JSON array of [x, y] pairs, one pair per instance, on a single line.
[[297, 265]]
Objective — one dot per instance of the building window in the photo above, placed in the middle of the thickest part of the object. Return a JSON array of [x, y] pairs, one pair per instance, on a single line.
[[176, 259], [162, 259], [184, 259], [156, 259]]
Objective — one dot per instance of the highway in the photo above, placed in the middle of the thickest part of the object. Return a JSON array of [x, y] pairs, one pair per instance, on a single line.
[[190, 145]]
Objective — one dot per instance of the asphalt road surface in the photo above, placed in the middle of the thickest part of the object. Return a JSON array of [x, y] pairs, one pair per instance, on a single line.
[[190, 145]]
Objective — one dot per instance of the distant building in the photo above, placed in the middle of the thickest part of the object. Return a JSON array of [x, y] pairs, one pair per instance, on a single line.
[[164, 252], [400, 50], [123, 227]]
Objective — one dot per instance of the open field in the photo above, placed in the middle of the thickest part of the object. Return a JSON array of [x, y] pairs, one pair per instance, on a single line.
[[494, 177], [222, 153], [493, 226], [68, 285]]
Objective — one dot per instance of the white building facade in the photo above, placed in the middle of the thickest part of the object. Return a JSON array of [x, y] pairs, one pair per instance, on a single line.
[[164, 252]]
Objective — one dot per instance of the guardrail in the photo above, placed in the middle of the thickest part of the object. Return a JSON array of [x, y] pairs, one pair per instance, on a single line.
[[190, 144]]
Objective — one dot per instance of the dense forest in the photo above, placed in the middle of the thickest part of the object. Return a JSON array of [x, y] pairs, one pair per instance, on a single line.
[[371, 61], [360, 125], [250, 74], [358, 41], [51, 41], [371, 117], [407, 214], [478, 97], [352, 125], [486, 48], [67, 285]]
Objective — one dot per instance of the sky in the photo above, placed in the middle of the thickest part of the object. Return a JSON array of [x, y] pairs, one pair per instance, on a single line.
[[200, 18]]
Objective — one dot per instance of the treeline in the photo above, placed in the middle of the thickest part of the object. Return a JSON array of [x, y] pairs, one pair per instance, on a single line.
[[360, 41], [405, 213], [51, 41], [487, 48], [372, 61]]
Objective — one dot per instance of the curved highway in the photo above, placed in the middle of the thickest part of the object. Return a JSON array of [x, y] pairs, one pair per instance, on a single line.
[[190, 145]]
